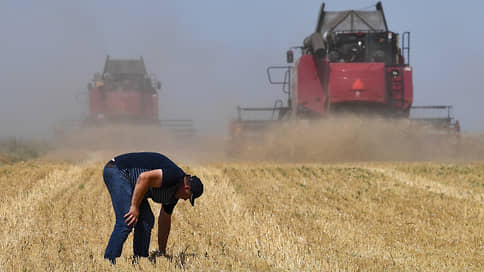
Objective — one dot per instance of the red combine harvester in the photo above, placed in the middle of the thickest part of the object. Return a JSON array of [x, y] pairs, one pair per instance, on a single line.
[[123, 93], [126, 94], [352, 63]]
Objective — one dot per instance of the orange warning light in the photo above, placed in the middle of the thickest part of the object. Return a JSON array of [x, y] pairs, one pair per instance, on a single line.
[[358, 85]]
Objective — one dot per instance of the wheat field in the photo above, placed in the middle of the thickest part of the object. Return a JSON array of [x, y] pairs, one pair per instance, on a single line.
[[57, 216]]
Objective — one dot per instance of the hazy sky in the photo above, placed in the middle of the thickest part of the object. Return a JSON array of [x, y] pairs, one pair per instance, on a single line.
[[211, 55]]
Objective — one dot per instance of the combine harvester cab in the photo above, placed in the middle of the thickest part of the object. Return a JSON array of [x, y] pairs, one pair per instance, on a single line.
[[352, 63]]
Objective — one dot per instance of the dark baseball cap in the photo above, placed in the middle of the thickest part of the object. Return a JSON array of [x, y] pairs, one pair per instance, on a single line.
[[196, 188]]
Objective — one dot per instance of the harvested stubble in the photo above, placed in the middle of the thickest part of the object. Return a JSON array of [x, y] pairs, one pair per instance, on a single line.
[[264, 217]]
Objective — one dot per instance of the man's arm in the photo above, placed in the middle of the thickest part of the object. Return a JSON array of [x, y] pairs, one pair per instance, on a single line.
[[145, 180], [164, 226]]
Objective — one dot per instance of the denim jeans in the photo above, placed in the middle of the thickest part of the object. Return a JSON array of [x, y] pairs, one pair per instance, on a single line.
[[121, 193]]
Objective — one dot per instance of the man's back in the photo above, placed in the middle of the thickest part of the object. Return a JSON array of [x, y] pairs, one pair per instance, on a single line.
[[146, 160]]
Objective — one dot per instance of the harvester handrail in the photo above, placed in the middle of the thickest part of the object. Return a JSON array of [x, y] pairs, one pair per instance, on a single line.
[[286, 82], [433, 107], [260, 109], [406, 47], [287, 67], [176, 122], [446, 108]]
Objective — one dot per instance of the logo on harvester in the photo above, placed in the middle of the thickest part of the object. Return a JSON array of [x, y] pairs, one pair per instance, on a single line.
[[358, 85]]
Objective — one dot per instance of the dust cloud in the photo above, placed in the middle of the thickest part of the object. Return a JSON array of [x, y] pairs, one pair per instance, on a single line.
[[206, 70], [356, 138], [336, 139], [99, 143]]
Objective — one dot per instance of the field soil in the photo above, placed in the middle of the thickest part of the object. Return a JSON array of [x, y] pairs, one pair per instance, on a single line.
[[412, 216]]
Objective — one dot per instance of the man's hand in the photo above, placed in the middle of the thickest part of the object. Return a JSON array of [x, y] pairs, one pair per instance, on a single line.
[[145, 180], [131, 218]]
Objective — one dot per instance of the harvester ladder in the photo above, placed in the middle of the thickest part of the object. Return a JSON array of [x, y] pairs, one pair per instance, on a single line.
[[406, 48], [406, 62], [397, 93]]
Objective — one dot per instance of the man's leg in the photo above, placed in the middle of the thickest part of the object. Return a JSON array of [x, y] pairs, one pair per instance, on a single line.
[[142, 230], [121, 192]]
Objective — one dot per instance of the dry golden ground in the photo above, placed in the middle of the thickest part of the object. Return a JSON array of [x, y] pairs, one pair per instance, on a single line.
[[257, 217]]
